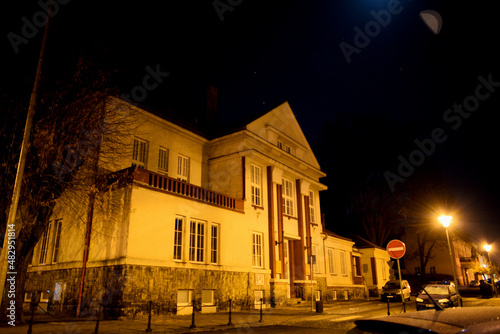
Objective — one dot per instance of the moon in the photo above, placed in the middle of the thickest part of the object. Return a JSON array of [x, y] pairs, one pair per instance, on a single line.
[[432, 19]]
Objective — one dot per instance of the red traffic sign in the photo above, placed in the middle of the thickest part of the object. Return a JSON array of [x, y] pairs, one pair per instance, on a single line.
[[396, 249]]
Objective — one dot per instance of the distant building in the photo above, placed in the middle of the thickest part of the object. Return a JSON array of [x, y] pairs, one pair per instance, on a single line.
[[466, 259], [234, 215]]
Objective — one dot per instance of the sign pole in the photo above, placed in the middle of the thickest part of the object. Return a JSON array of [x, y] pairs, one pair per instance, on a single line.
[[397, 249], [401, 288]]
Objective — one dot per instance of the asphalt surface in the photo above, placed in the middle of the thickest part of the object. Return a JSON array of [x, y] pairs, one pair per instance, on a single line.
[[338, 317]]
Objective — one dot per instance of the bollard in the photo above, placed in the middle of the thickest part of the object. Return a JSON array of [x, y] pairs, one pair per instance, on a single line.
[[33, 307], [230, 306], [388, 308], [96, 330], [150, 306], [192, 318], [261, 302]]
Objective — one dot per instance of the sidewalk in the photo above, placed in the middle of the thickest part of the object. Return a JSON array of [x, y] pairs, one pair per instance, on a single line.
[[179, 323]]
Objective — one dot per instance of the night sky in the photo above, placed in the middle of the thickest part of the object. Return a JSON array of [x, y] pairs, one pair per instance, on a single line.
[[262, 53]]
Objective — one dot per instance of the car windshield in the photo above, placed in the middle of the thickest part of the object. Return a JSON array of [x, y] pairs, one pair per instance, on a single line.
[[391, 285], [436, 290]]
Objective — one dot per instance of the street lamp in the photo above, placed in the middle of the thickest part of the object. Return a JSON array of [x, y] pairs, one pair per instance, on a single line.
[[487, 248], [445, 220]]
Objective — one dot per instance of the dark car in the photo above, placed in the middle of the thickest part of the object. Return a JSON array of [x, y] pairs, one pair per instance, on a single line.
[[392, 290], [474, 283], [481, 319], [445, 295]]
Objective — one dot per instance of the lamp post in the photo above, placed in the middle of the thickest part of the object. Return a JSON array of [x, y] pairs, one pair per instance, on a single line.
[[445, 220], [487, 248]]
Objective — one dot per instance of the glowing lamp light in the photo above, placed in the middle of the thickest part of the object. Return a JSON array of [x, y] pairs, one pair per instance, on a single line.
[[445, 220], [487, 248]]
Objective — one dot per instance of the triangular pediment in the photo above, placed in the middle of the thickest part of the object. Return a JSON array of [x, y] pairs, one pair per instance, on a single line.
[[280, 127]]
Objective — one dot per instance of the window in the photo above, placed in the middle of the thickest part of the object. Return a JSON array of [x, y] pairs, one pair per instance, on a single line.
[[255, 182], [214, 244], [285, 147], [140, 153], [432, 269], [196, 241], [179, 221], [57, 239], [343, 268], [58, 288], [44, 248], [163, 159], [383, 268], [184, 297], [207, 297], [183, 168], [312, 203], [257, 250], [258, 298], [44, 297], [314, 252], [287, 197], [331, 263]]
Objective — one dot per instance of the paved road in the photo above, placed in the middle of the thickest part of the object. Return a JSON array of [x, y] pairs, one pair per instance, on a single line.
[[278, 329], [337, 318]]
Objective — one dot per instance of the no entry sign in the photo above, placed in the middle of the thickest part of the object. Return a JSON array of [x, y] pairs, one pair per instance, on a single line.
[[396, 249]]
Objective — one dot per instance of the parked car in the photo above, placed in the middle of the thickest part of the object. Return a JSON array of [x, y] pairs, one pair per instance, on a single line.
[[474, 283], [486, 289], [445, 295], [392, 291], [481, 319]]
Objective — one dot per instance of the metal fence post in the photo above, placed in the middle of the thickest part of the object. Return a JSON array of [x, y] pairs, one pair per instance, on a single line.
[[96, 330], [230, 307], [34, 304], [192, 318], [261, 302], [150, 306]]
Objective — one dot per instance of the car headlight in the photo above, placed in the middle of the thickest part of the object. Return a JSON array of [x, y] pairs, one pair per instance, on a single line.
[[443, 300], [420, 300]]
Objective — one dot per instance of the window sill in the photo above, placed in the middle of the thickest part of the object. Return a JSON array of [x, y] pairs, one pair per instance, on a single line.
[[289, 217], [257, 207]]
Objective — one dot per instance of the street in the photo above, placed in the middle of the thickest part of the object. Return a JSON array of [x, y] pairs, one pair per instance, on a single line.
[[338, 317]]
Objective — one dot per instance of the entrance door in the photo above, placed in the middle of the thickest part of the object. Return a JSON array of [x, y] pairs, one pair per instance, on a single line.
[[287, 267]]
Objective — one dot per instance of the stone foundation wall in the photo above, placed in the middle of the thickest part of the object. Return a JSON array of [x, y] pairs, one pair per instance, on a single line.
[[126, 290], [161, 284], [102, 285], [335, 293]]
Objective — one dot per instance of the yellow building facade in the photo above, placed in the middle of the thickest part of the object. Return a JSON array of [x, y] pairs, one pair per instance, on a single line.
[[200, 218]]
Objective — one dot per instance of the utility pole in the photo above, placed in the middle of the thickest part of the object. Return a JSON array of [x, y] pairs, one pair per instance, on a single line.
[[11, 220]]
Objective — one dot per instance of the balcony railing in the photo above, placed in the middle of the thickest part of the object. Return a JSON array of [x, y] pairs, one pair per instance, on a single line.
[[184, 189]]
